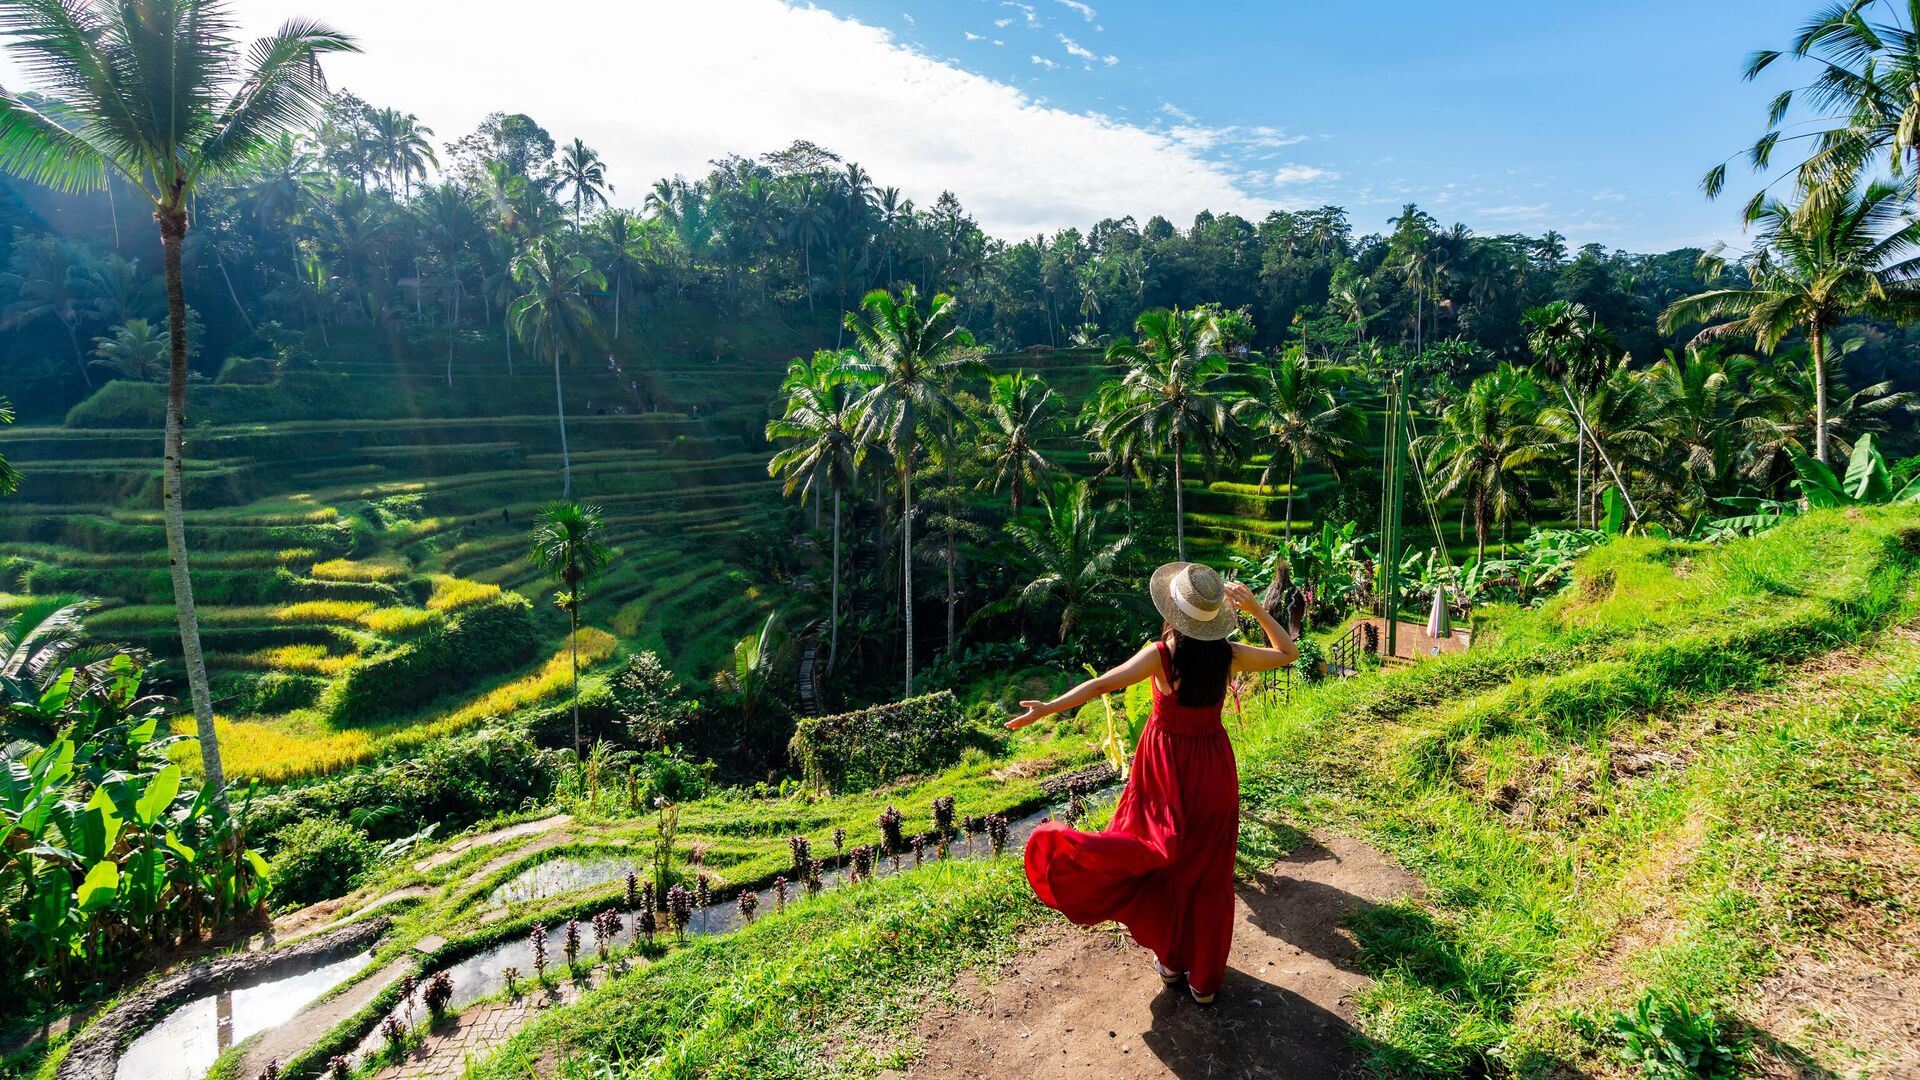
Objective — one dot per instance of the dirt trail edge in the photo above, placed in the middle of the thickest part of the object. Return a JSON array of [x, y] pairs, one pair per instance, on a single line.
[[1086, 1003]]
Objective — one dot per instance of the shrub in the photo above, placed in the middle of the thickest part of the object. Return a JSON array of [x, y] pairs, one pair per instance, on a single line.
[[479, 642], [319, 858], [861, 749], [1311, 657], [650, 700], [667, 775]]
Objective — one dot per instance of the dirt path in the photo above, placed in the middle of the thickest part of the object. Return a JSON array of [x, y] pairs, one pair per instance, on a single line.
[[1086, 1003]]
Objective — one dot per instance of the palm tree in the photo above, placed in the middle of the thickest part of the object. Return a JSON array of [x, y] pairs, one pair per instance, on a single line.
[[823, 451], [1173, 394], [1704, 416], [49, 279], [1297, 412], [1571, 348], [400, 144], [552, 312], [159, 96], [1073, 569], [1019, 414], [1484, 442], [1834, 255], [447, 218], [35, 642], [582, 171], [910, 359], [136, 350], [1863, 98], [9, 476], [567, 548], [754, 659], [621, 244]]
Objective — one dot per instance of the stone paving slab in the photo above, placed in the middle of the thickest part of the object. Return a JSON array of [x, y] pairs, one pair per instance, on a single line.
[[529, 828]]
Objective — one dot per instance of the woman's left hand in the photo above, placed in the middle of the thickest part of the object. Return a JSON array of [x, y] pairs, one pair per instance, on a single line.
[[1242, 598], [1035, 710]]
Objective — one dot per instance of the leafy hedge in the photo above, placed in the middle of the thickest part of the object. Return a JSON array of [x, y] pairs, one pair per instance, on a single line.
[[857, 750], [480, 642]]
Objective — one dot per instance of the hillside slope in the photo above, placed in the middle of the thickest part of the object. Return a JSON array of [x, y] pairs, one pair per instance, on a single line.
[[1690, 779]]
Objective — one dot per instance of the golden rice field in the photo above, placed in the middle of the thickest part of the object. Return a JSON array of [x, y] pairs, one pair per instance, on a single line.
[[302, 745]]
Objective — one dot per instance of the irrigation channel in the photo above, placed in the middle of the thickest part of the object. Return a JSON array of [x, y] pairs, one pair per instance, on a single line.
[[185, 1045]]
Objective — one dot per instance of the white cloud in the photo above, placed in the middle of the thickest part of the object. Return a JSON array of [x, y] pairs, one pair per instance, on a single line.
[[1077, 50], [788, 72], [971, 36], [1515, 211], [1044, 62], [1002, 23], [1303, 174], [1085, 11], [1609, 195], [908, 18], [1109, 59]]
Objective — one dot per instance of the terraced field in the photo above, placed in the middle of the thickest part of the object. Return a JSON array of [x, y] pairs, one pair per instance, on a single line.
[[358, 523], [345, 567]]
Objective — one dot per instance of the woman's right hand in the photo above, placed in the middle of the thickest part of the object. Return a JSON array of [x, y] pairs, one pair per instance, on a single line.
[[1035, 710]]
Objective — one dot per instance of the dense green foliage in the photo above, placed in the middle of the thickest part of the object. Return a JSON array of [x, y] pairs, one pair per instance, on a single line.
[[109, 853], [861, 749], [481, 641]]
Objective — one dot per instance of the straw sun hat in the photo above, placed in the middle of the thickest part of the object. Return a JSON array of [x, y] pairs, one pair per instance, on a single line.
[[1193, 599]]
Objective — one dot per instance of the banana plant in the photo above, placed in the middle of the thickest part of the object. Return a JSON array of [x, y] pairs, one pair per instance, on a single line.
[[1866, 482]]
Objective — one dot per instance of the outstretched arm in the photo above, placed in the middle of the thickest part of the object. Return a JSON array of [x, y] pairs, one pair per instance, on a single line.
[[1280, 650], [1141, 666]]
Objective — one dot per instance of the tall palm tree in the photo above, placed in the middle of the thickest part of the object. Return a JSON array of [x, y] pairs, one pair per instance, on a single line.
[[1572, 349], [567, 548], [620, 245], [1019, 414], [1297, 413], [160, 96], [910, 358], [1070, 566], [447, 218], [1703, 414], [819, 427], [1484, 443], [400, 144], [582, 172], [1173, 394], [1834, 255], [552, 312]]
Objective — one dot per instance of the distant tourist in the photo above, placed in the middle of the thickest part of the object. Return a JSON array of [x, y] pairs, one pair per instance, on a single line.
[[506, 516], [1164, 867]]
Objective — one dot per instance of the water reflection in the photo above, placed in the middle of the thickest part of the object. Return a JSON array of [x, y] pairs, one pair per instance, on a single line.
[[184, 1045], [556, 876]]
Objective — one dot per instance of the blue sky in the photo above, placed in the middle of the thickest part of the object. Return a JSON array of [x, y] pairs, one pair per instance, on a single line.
[[1596, 119]]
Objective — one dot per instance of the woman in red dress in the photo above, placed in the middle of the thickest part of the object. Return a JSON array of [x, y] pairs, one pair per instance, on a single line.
[[1164, 867]]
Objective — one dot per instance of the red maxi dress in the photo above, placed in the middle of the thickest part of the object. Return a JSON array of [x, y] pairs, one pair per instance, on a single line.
[[1164, 867]]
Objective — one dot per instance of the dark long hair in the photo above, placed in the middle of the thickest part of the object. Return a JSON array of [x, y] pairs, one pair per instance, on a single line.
[[1200, 668]]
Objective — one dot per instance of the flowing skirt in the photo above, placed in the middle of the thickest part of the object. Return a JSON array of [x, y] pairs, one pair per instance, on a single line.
[[1164, 867]]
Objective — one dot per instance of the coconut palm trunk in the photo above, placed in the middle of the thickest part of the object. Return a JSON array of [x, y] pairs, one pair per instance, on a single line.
[[833, 632], [173, 233], [1293, 471], [906, 553], [1179, 497], [573, 647], [1817, 348], [1580, 418]]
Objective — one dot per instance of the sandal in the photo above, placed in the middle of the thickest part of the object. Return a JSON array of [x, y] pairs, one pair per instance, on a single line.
[[1169, 978], [1200, 999]]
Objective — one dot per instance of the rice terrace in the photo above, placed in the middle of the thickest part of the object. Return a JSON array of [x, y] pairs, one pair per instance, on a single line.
[[604, 591]]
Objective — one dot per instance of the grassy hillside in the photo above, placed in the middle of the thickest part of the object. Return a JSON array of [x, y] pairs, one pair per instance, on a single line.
[[1690, 778]]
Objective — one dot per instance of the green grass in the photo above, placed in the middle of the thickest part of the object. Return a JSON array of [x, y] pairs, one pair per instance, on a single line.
[[1566, 876]]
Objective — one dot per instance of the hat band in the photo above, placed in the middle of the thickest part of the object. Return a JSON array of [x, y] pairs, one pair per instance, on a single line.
[[1188, 608]]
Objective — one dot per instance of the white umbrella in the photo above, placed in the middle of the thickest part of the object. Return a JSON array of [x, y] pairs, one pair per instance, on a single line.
[[1440, 622]]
